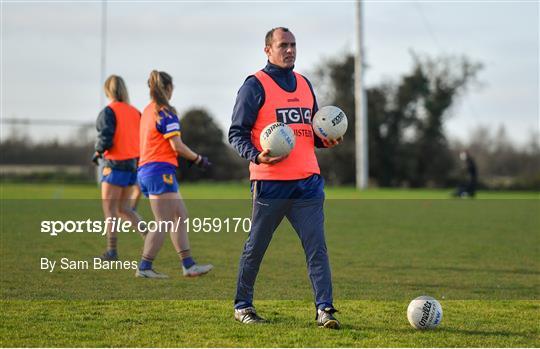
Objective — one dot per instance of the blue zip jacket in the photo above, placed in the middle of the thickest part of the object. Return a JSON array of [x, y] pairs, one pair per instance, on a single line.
[[106, 126], [249, 101]]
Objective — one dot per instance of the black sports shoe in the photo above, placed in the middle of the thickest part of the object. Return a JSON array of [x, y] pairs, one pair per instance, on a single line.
[[325, 318], [248, 316]]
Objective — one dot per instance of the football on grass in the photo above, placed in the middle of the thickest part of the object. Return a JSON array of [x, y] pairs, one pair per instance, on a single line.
[[424, 313]]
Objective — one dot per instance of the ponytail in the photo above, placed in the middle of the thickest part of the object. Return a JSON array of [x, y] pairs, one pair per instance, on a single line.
[[159, 83]]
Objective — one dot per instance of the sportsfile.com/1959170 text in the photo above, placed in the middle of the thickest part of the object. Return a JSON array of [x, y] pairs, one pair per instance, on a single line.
[[195, 225]]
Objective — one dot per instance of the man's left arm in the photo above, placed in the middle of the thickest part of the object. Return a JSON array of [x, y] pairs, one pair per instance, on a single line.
[[318, 142]]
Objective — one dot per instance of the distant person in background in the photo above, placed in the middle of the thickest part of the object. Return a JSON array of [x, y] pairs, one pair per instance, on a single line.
[[118, 145], [161, 144], [468, 187]]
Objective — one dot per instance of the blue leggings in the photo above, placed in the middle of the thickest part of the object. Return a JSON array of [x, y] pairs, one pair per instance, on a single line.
[[301, 201]]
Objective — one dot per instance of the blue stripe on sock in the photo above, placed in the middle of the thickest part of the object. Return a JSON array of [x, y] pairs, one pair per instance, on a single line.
[[188, 262], [145, 265]]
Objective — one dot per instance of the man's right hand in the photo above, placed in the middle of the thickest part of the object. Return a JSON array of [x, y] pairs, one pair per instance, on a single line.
[[265, 158]]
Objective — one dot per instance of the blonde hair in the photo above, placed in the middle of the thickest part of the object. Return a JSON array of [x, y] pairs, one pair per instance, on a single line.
[[115, 88], [159, 82]]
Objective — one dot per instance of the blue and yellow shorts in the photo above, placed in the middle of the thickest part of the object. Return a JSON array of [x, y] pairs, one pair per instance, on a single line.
[[158, 184], [119, 177]]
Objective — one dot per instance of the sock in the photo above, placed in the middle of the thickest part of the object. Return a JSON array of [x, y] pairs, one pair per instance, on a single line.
[[111, 243], [146, 263], [187, 260]]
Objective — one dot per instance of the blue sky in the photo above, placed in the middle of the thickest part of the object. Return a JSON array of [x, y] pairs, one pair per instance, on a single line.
[[51, 53]]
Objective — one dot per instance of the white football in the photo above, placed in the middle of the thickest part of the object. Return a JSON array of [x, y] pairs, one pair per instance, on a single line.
[[424, 313], [279, 138], [330, 122]]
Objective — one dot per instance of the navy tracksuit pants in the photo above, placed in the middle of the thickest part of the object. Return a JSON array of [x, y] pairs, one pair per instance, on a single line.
[[301, 201]]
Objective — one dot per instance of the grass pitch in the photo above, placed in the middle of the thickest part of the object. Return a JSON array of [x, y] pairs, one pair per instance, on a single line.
[[478, 257], [210, 324]]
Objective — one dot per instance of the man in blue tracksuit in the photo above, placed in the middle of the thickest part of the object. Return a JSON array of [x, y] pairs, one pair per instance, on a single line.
[[286, 186]]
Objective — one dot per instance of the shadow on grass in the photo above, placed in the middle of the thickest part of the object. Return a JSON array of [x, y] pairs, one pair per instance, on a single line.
[[447, 330], [475, 289], [459, 269], [528, 335]]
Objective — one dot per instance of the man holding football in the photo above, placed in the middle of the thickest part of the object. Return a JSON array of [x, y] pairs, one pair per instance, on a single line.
[[284, 186]]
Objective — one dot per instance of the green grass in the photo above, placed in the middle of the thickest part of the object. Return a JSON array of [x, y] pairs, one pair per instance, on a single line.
[[210, 324], [241, 191], [478, 257]]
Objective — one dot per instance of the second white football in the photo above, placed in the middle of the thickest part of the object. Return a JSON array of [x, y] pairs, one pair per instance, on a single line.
[[279, 138], [330, 122]]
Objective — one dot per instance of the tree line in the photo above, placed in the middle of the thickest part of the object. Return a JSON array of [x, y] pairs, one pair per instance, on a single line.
[[407, 143]]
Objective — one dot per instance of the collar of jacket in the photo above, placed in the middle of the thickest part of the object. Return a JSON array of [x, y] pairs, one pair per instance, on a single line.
[[276, 71]]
